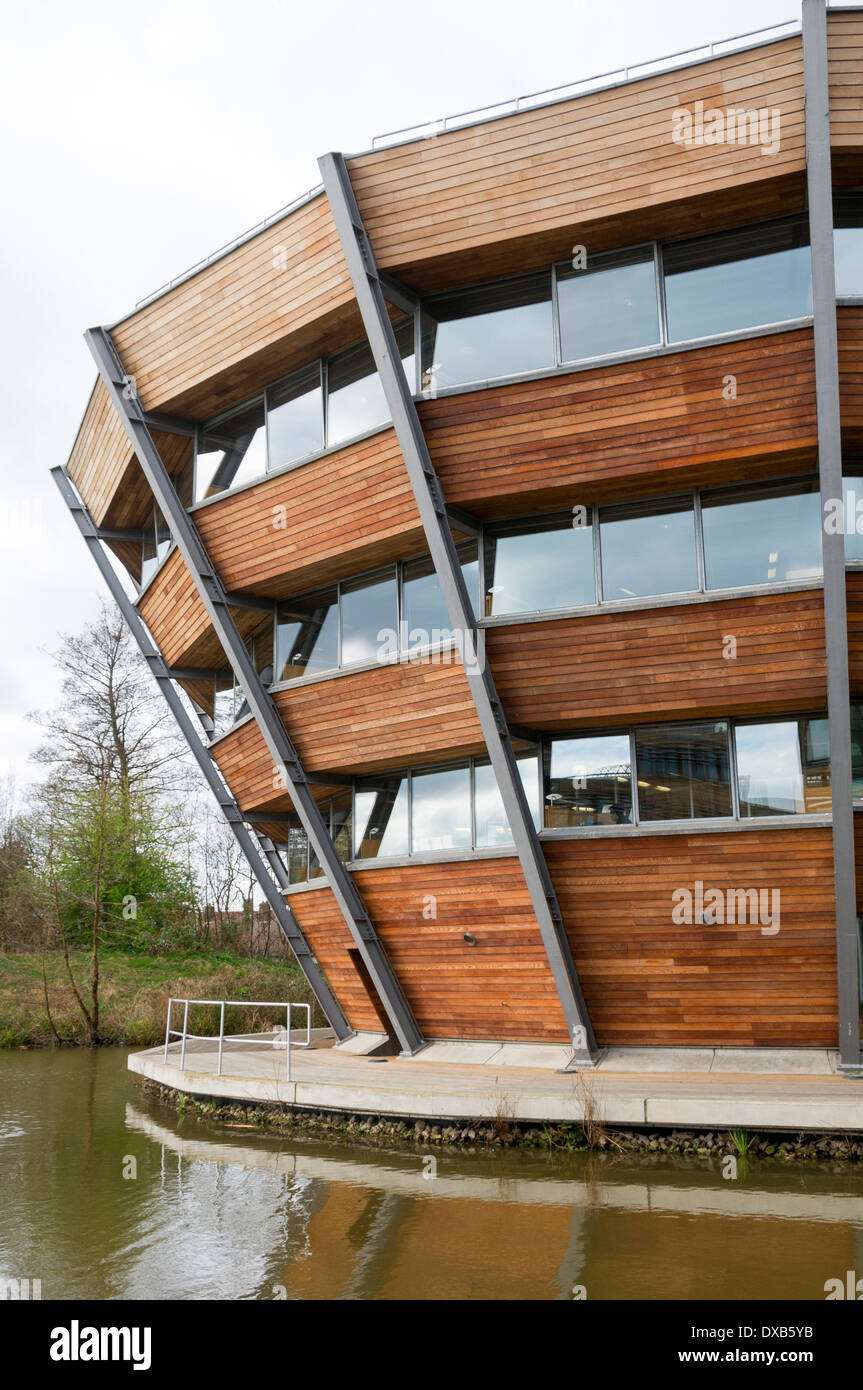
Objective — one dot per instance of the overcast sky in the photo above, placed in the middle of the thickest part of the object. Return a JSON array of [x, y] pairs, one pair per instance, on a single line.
[[137, 139]]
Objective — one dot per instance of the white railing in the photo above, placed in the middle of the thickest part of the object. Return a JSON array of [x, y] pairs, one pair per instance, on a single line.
[[280, 1036]]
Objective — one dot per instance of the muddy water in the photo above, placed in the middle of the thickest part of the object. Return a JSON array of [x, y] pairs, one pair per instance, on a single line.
[[106, 1194]]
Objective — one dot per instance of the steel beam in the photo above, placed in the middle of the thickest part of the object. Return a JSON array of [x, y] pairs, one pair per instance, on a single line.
[[256, 853], [285, 758], [820, 197], [371, 294]]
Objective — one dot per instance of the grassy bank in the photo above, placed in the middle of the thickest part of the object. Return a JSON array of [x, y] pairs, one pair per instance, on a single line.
[[134, 995]]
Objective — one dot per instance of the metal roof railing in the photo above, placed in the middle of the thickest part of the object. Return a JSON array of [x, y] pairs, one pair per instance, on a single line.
[[549, 96]]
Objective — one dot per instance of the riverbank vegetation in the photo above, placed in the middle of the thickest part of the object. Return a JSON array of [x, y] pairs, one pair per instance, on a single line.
[[38, 1007], [116, 879]]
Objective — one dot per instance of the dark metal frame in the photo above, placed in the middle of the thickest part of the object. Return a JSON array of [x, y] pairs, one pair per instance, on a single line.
[[216, 602], [257, 849], [371, 292], [820, 196]]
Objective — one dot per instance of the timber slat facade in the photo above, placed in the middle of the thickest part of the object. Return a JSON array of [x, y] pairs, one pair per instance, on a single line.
[[513, 196]]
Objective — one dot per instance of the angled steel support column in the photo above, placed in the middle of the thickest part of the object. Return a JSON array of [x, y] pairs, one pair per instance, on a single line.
[[285, 758], [371, 293], [820, 190], [204, 758]]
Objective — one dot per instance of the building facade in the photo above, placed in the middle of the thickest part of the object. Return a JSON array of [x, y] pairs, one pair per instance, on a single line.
[[496, 509]]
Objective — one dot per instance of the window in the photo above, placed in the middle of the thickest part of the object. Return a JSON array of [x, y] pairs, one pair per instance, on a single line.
[[648, 548], [683, 771], [368, 607], [589, 781], [610, 306], [440, 810], [300, 859], [295, 417], [852, 513], [848, 244], [857, 748], [491, 824], [424, 612], [783, 768], [763, 536], [737, 280], [533, 566], [381, 817], [231, 450], [493, 330], [355, 397], [307, 635], [156, 545], [225, 702]]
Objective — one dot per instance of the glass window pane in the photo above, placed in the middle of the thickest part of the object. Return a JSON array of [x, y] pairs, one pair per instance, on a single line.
[[156, 545], [225, 702], [355, 397], [848, 242], [769, 769], [815, 755], [491, 824], [737, 280], [381, 818], [683, 773], [342, 820], [608, 307], [529, 568], [307, 635], [589, 781], [295, 417], [852, 512], [857, 748], [761, 536], [231, 451], [424, 611], [441, 810], [368, 607], [495, 330], [648, 549], [295, 850]]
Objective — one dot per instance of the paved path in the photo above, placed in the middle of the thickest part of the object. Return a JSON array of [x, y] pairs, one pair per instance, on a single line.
[[330, 1079]]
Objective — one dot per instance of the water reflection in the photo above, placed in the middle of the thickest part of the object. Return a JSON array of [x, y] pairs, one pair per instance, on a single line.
[[218, 1212]]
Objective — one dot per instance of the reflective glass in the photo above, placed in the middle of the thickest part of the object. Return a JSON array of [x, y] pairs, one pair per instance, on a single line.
[[763, 536], [307, 635], [441, 810], [368, 607], [683, 771], [381, 818], [500, 329], [295, 417], [736, 280], [610, 306], [648, 549], [589, 781], [231, 451], [424, 611], [532, 567], [491, 825]]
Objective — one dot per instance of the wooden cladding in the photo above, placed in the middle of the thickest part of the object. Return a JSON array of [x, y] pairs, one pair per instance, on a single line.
[[178, 621], [854, 608], [663, 663], [849, 322], [648, 981], [845, 68], [390, 716], [268, 306], [640, 427], [327, 933], [499, 988], [548, 176], [100, 455], [340, 515]]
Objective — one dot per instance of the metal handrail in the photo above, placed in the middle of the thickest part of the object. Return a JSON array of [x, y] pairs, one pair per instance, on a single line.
[[254, 1041], [610, 78], [442, 123]]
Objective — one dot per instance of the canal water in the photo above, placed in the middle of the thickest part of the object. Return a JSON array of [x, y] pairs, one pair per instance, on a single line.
[[107, 1194]]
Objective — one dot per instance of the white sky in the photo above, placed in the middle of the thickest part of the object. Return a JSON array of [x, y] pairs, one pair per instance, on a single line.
[[138, 139]]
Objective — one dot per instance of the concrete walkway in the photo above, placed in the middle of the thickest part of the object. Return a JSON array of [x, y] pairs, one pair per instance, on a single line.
[[663, 1087]]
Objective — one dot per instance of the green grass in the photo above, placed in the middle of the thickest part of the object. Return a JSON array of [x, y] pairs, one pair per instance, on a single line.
[[134, 995]]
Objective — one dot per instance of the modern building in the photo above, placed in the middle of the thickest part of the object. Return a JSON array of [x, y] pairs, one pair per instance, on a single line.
[[487, 505]]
